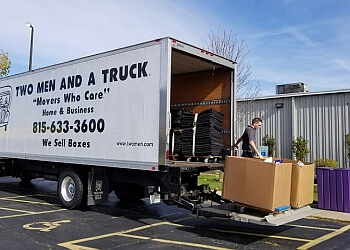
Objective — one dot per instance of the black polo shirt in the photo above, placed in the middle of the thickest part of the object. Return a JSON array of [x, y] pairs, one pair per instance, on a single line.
[[248, 135]]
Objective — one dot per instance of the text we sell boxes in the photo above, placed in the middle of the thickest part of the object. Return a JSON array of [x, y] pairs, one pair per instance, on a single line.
[[257, 183]]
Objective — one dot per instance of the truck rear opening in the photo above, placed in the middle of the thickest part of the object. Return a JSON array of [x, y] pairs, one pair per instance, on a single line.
[[198, 85]]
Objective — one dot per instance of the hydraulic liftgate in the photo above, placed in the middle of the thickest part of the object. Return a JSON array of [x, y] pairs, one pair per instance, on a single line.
[[238, 213]]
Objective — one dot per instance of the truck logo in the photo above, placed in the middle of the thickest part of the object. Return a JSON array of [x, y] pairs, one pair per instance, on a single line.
[[5, 101], [98, 187]]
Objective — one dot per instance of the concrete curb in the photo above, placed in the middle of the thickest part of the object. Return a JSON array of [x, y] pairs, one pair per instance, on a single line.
[[331, 215]]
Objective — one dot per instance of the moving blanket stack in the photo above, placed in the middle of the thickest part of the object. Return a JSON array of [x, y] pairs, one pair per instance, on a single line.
[[182, 126], [182, 118], [209, 133], [207, 128]]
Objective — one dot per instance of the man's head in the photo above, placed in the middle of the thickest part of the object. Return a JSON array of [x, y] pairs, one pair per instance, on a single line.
[[256, 123]]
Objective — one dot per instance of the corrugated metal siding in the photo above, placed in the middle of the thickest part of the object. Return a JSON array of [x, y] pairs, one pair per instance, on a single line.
[[324, 122], [322, 119]]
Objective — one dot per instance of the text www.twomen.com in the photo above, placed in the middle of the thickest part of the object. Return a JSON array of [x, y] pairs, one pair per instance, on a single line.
[[135, 144]]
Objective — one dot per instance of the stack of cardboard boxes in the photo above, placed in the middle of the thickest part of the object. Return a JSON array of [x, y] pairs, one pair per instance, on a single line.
[[268, 185]]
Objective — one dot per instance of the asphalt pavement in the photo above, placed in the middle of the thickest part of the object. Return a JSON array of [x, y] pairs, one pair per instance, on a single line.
[[32, 218]]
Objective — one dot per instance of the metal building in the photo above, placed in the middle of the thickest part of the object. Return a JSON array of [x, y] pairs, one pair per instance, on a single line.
[[322, 118]]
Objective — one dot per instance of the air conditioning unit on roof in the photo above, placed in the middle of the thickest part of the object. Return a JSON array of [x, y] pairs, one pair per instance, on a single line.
[[297, 87]]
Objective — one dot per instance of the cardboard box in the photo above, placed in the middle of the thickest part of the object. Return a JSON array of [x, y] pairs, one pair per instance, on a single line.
[[257, 183], [302, 192]]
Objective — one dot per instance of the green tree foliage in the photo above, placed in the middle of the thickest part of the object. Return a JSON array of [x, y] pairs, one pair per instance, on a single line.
[[270, 142], [326, 163], [300, 149], [5, 64]]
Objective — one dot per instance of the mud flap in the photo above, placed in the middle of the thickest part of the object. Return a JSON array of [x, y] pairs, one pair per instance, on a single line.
[[97, 187]]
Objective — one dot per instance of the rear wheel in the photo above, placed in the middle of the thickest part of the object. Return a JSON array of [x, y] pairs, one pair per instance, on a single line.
[[70, 189], [129, 192], [25, 178]]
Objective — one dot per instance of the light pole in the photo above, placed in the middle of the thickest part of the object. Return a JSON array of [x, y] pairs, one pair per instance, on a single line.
[[31, 45]]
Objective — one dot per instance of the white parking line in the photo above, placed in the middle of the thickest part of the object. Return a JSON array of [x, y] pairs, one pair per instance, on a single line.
[[313, 228]]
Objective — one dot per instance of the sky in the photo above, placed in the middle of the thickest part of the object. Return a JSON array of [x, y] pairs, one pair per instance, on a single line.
[[288, 40]]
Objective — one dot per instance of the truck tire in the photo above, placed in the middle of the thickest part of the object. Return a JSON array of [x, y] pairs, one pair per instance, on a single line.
[[128, 192], [70, 189], [25, 179]]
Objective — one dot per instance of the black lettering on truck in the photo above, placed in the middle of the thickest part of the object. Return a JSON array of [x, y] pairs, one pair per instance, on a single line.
[[136, 70]]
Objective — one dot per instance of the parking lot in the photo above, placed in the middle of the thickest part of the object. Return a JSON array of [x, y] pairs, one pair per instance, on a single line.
[[32, 218]]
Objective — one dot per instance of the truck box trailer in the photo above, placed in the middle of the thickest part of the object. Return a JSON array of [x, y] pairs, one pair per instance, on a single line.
[[103, 123]]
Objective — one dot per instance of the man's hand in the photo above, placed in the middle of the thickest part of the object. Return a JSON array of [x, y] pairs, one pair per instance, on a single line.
[[259, 156]]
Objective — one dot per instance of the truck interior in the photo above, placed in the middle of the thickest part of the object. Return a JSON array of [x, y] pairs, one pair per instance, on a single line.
[[198, 84]]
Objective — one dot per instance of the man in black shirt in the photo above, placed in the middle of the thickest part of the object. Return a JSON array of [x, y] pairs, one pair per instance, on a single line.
[[248, 138]]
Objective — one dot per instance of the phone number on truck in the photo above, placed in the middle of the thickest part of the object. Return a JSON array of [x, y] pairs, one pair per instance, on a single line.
[[65, 126]]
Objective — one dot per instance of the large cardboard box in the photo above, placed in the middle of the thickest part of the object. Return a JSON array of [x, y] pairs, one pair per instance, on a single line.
[[257, 183], [302, 192]]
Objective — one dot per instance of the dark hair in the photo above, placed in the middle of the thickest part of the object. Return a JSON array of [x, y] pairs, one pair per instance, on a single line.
[[256, 120]]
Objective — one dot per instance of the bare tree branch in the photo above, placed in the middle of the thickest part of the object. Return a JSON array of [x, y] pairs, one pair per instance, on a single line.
[[227, 44]]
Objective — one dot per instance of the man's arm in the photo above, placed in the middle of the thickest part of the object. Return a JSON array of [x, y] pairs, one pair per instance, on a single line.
[[238, 142], [252, 145]]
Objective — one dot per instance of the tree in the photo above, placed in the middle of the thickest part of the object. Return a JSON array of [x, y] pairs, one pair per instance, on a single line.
[[227, 44], [5, 64], [300, 149], [270, 142]]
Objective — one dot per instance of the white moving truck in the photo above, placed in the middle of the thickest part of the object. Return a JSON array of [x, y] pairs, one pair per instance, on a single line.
[[103, 122]]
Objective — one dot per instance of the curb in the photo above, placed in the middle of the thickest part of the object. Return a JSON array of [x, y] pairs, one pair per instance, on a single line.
[[331, 215]]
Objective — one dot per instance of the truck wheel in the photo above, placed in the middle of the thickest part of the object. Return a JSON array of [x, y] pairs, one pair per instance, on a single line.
[[25, 179], [70, 189], [128, 192]]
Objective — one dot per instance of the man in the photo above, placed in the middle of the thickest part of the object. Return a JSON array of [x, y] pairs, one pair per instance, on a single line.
[[248, 138]]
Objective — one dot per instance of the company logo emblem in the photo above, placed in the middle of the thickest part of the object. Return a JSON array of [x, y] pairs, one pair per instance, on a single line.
[[98, 187], [5, 102]]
